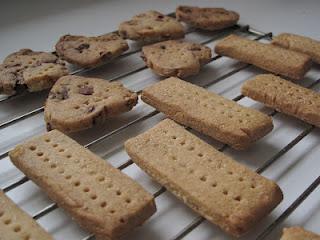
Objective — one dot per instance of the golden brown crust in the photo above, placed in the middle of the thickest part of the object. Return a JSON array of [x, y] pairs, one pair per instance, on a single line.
[[208, 112], [207, 18], [266, 56], [284, 96], [15, 224], [90, 51], [176, 58], [299, 43], [76, 103], [298, 233], [223, 191], [99, 197], [151, 26]]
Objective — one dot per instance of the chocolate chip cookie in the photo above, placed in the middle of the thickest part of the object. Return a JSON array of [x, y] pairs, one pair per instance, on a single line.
[[35, 71], [207, 18], [151, 26], [176, 58], [76, 103], [90, 51]]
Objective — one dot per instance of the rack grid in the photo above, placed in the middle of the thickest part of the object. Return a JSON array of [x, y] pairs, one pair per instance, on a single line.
[[198, 220]]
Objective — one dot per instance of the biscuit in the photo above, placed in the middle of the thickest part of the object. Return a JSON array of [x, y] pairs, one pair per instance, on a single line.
[[223, 191], [266, 56], [207, 18], [284, 96], [176, 57], [34, 70], [298, 233], [207, 112], [76, 103], [15, 224], [90, 51], [99, 197], [151, 26], [299, 43]]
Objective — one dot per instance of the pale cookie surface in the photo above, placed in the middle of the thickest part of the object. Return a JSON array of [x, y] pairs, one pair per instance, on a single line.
[[284, 96], [223, 191], [15, 224], [90, 51], [99, 197], [266, 56], [208, 112], [299, 43], [207, 18], [34, 70], [176, 57], [298, 233], [76, 103], [151, 26]]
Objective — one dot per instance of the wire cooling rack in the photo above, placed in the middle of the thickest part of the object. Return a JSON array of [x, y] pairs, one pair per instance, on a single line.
[[22, 117]]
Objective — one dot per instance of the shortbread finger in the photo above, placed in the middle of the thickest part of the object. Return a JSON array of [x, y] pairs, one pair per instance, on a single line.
[[99, 197], [208, 112], [151, 26], [207, 18], [299, 43], [76, 103], [15, 224], [176, 58], [90, 51], [298, 233], [223, 191], [266, 56], [285, 97]]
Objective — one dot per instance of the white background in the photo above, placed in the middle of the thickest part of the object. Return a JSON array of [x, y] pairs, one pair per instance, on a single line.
[[39, 24]]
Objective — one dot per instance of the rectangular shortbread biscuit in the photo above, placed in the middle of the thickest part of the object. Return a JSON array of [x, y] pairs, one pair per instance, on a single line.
[[98, 196], [299, 43], [15, 224], [284, 96], [298, 233], [207, 112], [223, 191], [266, 56]]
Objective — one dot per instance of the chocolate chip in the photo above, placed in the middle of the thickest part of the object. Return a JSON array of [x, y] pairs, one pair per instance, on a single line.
[[82, 46], [86, 90]]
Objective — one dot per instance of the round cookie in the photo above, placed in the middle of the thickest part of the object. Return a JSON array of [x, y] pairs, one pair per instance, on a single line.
[[151, 26], [34, 70], [176, 58], [207, 18], [90, 51], [76, 103]]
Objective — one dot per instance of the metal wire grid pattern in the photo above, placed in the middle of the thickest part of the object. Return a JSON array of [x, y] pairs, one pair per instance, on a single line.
[[198, 220]]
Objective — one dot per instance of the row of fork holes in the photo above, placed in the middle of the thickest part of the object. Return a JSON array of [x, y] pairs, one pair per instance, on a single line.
[[229, 114], [77, 183], [16, 228], [204, 178]]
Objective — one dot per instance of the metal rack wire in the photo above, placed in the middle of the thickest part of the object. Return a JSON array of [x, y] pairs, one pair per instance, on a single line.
[[198, 220]]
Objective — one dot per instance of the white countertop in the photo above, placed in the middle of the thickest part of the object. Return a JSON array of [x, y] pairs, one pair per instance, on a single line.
[[38, 25]]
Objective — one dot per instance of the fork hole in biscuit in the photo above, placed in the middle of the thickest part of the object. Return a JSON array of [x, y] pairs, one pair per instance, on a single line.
[[17, 229], [55, 145], [61, 150], [32, 148], [76, 183], [118, 193], [76, 107], [7, 221], [191, 171], [40, 154], [93, 196], [86, 189], [122, 220], [46, 159], [174, 137], [53, 165], [112, 211], [47, 140], [190, 148], [69, 156], [1, 213], [27, 237], [253, 186], [225, 192], [237, 198], [182, 143], [103, 204], [240, 179], [214, 184], [200, 155], [68, 177], [101, 179], [230, 172], [128, 200], [61, 171], [203, 178]]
